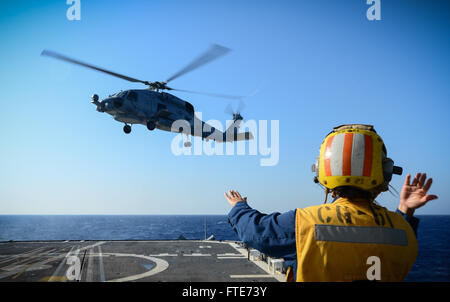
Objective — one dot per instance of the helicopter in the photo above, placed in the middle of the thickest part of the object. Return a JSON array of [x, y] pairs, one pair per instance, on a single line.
[[157, 109]]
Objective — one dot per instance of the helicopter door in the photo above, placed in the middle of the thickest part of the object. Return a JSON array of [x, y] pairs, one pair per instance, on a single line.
[[161, 107]]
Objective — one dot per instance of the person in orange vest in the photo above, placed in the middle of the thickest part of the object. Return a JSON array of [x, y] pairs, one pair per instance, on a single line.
[[353, 238]]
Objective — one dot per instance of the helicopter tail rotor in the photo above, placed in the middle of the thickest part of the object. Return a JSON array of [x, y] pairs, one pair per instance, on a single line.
[[236, 114]]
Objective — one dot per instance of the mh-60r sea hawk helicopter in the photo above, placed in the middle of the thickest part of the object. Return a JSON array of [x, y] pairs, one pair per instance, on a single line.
[[160, 110]]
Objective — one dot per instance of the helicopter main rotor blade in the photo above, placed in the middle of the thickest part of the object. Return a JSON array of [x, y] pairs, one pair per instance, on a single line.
[[241, 106], [211, 54], [55, 55], [229, 110], [223, 96]]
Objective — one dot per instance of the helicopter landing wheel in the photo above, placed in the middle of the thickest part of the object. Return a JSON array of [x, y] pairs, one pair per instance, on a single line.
[[127, 128], [187, 143], [151, 125]]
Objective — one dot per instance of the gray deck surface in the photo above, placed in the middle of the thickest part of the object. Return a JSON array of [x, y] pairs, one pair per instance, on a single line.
[[123, 261]]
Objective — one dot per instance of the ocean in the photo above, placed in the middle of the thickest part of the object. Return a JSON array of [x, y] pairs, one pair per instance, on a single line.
[[432, 264]]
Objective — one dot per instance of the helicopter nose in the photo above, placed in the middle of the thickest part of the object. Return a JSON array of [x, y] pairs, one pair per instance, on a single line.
[[113, 103], [101, 107]]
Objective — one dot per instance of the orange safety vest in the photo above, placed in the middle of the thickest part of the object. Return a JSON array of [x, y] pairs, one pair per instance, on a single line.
[[349, 241]]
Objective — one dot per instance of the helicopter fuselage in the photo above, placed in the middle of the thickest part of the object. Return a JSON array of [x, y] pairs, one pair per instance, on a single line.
[[143, 106], [160, 110]]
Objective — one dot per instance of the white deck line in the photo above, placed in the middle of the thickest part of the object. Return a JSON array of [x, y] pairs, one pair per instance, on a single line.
[[251, 276], [163, 255], [197, 255]]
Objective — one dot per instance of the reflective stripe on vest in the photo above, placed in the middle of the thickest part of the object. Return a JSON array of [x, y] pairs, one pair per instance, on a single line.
[[360, 234]]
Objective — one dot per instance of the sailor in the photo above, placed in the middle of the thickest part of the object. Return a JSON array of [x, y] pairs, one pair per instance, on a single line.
[[338, 241]]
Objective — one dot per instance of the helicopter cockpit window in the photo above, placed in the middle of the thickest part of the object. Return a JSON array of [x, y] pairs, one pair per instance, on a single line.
[[189, 107], [132, 96]]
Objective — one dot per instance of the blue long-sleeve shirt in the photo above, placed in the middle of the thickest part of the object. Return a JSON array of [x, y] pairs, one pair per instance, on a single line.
[[274, 234]]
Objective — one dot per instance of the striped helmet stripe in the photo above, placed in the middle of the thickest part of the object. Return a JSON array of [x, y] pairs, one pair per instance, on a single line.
[[358, 153], [349, 154], [368, 153], [327, 156], [336, 154]]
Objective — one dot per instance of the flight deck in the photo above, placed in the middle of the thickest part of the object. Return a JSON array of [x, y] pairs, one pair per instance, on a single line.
[[128, 261]]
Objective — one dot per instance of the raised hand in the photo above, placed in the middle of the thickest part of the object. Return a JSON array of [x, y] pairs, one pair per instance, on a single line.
[[414, 195], [234, 198]]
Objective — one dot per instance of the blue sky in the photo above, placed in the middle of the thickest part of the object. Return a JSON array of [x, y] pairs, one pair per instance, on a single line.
[[317, 64]]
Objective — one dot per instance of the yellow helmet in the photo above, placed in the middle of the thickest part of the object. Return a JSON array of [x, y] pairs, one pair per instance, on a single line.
[[354, 155]]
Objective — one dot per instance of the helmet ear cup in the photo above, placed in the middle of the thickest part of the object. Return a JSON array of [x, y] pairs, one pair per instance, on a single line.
[[389, 169], [315, 168]]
